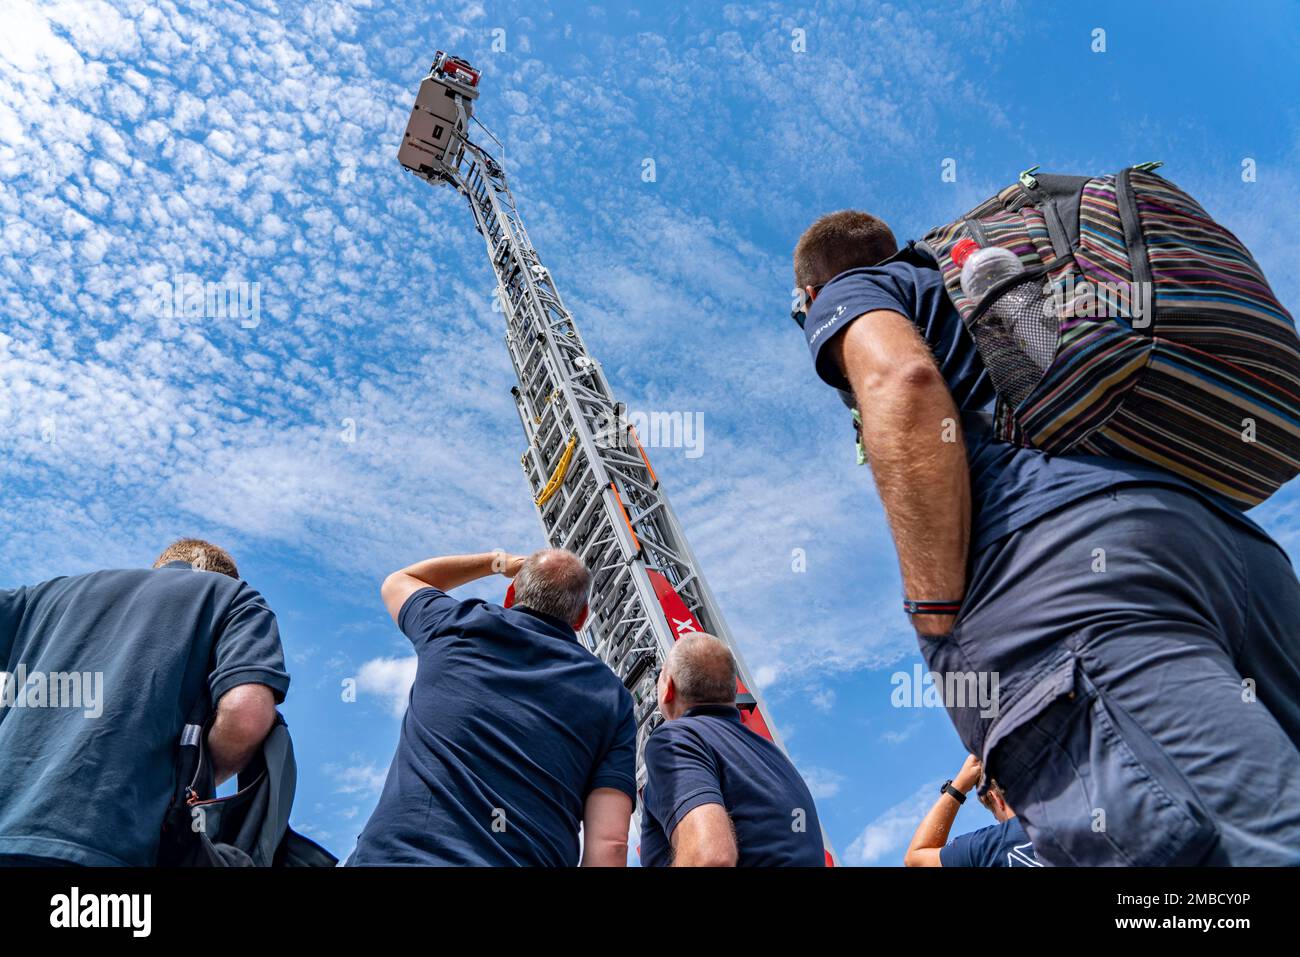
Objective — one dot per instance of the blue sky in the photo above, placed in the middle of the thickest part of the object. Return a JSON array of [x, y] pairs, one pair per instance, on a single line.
[[257, 143]]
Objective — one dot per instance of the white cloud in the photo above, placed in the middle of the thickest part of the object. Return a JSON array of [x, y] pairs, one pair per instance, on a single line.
[[884, 840], [143, 141], [822, 782], [174, 423], [390, 679], [366, 779], [899, 735]]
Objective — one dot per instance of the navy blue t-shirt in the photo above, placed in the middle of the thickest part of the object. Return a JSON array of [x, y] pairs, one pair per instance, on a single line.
[[998, 845], [86, 776], [708, 757], [510, 725], [1010, 486]]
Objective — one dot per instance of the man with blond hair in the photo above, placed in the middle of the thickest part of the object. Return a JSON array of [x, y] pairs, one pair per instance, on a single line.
[[515, 735], [100, 673]]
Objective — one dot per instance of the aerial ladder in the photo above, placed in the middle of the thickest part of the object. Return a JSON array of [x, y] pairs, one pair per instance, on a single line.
[[595, 490]]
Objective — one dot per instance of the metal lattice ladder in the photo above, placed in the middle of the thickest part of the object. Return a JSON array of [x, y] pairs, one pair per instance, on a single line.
[[595, 490]]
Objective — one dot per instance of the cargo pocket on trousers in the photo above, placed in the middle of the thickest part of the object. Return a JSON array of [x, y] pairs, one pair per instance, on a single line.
[[1092, 785]]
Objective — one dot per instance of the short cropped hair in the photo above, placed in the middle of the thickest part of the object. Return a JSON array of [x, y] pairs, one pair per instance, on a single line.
[[703, 670], [554, 582], [201, 555], [990, 788], [840, 241]]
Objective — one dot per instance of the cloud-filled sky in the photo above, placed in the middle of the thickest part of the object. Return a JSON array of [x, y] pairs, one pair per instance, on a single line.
[[360, 418]]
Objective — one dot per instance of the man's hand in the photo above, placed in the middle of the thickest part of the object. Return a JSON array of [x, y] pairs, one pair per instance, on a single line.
[[508, 565], [969, 775], [911, 429]]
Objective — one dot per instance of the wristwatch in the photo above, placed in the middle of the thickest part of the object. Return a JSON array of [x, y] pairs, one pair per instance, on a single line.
[[949, 789]]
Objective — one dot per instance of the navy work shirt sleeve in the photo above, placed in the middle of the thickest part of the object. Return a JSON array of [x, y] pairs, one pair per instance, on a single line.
[[248, 647], [976, 849], [617, 768], [424, 613], [841, 301], [683, 775], [957, 852]]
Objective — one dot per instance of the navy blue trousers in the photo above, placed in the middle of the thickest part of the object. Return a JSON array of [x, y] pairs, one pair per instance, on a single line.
[[1146, 652]]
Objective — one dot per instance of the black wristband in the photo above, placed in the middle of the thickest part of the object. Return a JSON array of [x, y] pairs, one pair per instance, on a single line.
[[950, 790]]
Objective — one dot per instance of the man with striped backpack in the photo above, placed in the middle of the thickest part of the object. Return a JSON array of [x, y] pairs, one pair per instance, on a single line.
[[1068, 398]]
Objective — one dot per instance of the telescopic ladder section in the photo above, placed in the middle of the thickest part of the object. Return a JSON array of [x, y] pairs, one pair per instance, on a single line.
[[595, 490]]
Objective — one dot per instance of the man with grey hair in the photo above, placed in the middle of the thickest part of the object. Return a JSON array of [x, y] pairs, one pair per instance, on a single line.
[[716, 793], [515, 736]]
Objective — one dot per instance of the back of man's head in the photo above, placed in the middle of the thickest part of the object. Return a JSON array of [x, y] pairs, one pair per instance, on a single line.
[[703, 670], [200, 555], [554, 582], [995, 800], [848, 239]]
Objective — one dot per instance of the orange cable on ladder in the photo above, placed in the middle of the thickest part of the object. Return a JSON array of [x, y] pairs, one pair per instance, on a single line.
[[619, 499], [654, 479]]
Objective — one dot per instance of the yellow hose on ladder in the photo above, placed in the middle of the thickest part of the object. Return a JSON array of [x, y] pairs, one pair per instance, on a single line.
[[557, 477]]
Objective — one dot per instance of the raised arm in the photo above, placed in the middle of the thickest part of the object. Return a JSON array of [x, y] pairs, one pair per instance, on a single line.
[[605, 822], [445, 573], [932, 834], [911, 429]]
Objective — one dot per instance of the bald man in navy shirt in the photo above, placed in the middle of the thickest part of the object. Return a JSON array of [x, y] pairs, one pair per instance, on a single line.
[[716, 793]]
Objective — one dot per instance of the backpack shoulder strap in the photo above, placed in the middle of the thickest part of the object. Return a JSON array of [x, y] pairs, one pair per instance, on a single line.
[[915, 252]]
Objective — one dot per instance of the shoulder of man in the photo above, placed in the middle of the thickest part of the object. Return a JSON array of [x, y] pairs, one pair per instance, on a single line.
[[990, 844], [103, 581], [975, 848], [679, 744], [896, 285], [428, 612], [619, 703], [670, 732], [180, 572], [690, 732], [892, 279]]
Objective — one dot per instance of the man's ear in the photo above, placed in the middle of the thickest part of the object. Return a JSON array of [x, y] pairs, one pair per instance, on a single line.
[[670, 689], [582, 618]]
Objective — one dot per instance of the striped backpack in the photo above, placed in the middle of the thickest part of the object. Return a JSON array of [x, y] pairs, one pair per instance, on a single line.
[[1140, 328]]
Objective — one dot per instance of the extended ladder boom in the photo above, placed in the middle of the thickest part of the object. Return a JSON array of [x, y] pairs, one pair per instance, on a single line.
[[595, 490]]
